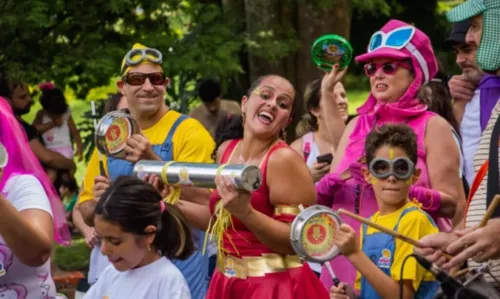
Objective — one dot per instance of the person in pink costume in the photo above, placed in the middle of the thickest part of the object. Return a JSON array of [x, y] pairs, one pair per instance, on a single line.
[[23, 161], [400, 59]]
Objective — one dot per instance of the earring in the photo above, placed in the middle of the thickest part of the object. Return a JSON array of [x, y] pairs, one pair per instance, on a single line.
[[149, 247], [283, 134]]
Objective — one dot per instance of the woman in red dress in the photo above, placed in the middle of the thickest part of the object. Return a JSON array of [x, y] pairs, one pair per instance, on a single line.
[[256, 259]]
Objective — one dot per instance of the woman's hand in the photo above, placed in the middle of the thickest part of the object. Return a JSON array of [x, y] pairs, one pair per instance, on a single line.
[[342, 291], [154, 180], [319, 170], [236, 202], [101, 184], [91, 237], [331, 79], [346, 240]]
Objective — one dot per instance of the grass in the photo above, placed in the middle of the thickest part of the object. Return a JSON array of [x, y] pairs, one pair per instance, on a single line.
[[75, 257]]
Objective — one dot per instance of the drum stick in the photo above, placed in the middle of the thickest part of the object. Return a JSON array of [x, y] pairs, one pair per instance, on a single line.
[[380, 228], [336, 281], [385, 230], [493, 206], [101, 163]]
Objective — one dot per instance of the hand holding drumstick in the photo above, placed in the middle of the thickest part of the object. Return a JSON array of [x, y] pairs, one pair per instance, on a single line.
[[479, 243]]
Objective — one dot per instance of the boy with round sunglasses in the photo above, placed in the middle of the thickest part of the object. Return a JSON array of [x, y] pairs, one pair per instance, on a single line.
[[381, 260], [166, 135]]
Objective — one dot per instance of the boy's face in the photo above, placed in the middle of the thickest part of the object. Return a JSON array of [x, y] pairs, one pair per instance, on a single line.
[[391, 190]]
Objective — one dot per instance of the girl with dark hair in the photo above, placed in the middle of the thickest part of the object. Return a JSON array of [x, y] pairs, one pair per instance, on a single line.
[[56, 125], [140, 234], [255, 258]]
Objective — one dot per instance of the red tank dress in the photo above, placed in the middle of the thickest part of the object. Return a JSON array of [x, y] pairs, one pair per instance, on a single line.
[[294, 280]]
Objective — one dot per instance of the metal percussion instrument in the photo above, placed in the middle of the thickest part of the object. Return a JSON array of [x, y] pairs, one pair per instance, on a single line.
[[112, 132], [330, 49], [4, 156], [244, 177], [312, 233]]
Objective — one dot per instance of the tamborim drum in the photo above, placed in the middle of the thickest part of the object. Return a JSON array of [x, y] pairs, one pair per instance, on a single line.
[[4, 156], [312, 233], [112, 132], [331, 49]]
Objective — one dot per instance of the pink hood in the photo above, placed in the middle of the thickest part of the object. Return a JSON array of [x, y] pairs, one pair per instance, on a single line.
[[420, 51]]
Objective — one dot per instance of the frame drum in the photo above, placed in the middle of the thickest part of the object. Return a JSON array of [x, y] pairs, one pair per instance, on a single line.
[[112, 132], [312, 233]]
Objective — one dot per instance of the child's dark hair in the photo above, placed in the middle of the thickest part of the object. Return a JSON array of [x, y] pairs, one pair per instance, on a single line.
[[394, 135], [53, 100], [112, 102], [134, 205], [70, 183], [209, 90], [231, 127]]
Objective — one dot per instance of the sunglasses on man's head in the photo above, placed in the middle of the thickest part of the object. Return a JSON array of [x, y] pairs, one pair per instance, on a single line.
[[388, 68], [139, 78]]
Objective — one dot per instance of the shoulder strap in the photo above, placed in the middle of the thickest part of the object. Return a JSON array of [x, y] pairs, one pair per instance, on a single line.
[[492, 187], [229, 150], [405, 211], [307, 139], [168, 141]]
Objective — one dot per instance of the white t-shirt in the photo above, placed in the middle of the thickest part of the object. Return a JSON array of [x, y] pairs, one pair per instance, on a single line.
[[160, 279], [98, 263], [470, 129], [57, 137], [16, 279]]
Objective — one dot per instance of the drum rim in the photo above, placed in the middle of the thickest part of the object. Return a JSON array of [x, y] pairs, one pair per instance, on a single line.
[[104, 124], [297, 228]]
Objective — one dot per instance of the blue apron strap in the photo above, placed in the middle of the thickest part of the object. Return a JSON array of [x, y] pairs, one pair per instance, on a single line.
[[167, 144], [405, 211]]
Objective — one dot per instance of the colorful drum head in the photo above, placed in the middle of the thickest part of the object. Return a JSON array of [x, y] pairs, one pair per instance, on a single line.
[[312, 234], [331, 49], [117, 134], [4, 156], [112, 133]]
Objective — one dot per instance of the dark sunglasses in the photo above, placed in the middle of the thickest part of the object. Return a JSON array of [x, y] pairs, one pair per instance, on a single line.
[[139, 78], [388, 68]]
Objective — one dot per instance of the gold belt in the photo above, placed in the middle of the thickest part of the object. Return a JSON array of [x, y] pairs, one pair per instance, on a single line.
[[256, 266]]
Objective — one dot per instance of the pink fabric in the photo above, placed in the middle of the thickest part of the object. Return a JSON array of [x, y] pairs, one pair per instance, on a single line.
[[23, 161], [337, 193], [408, 105]]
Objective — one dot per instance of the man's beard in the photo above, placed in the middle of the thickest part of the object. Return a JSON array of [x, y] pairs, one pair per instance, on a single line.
[[23, 111]]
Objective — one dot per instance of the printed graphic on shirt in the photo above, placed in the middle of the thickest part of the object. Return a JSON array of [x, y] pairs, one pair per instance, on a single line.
[[13, 291], [6, 258], [385, 260], [44, 286], [229, 268]]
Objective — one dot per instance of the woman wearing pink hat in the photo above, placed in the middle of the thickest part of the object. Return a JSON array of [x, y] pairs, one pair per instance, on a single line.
[[399, 60]]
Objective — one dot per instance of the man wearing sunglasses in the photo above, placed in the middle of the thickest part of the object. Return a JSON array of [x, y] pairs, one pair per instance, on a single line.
[[481, 244], [165, 135]]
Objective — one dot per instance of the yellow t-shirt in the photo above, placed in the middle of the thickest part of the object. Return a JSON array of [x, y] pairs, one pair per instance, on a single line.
[[191, 143], [415, 224]]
